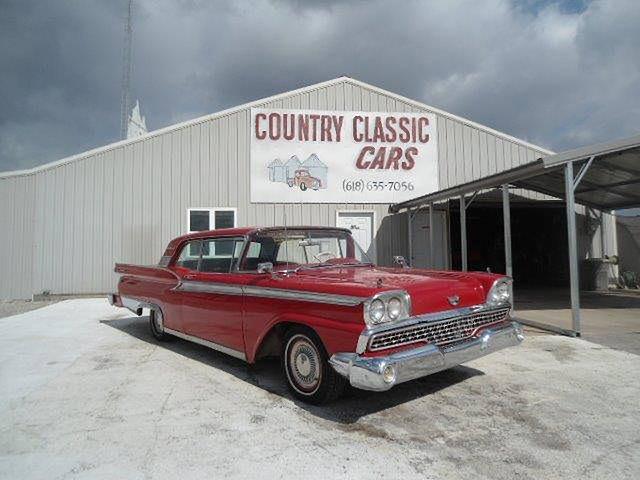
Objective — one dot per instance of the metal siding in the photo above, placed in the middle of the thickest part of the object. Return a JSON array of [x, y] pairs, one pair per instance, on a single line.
[[76, 233], [443, 170], [16, 242], [124, 204]]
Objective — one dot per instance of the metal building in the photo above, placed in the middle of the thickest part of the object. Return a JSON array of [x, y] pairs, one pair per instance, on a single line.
[[66, 223]]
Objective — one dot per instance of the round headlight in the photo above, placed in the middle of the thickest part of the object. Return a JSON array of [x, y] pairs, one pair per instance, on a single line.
[[394, 308], [500, 293], [376, 311]]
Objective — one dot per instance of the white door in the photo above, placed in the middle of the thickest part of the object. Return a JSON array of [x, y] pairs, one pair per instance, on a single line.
[[361, 226]]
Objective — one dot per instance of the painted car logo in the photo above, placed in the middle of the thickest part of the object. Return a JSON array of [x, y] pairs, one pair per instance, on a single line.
[[454, 300]]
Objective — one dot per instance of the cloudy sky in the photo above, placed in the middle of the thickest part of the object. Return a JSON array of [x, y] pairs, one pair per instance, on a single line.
[[559, 74]]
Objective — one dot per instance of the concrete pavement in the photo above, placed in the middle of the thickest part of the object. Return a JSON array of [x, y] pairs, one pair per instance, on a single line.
[[86, 392]]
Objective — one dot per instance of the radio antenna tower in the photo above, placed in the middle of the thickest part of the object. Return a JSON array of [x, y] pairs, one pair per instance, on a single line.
[[126, 73]]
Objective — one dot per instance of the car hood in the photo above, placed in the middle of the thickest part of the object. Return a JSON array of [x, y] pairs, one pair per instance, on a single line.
[[430, 291]]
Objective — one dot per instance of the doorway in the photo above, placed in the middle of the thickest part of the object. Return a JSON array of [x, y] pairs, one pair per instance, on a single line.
[[538, 239], [361, 224]]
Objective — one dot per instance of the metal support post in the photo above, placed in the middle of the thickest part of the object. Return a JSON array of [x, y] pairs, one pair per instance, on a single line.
[[409, 233], [506, 214], [569, 187], [463, 233], [431, 237]]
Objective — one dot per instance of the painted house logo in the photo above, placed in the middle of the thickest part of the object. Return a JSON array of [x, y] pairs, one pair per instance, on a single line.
[[310, 174]]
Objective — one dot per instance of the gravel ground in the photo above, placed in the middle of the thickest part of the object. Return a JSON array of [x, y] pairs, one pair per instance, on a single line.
[[86, 392]]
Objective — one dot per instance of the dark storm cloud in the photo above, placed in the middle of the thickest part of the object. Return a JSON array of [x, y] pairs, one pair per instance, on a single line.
[[59, 79], [559, 74]]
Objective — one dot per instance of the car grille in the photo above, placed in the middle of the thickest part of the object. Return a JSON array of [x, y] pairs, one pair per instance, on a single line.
[[438, 332]]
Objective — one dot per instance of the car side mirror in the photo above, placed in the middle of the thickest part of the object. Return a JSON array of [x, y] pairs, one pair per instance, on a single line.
[[266, 267], [399, 259]]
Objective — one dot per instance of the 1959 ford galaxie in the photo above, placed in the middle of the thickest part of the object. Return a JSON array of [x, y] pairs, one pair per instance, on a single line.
[[311, 296]]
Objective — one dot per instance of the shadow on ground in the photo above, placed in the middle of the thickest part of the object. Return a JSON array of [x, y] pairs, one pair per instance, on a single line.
[[266, 375]]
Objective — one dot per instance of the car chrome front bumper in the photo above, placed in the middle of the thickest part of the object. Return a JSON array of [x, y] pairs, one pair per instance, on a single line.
[[382, 373]]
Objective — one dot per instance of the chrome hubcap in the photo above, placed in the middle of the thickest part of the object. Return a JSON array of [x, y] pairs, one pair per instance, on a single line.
[[303, 369], [303, 365]]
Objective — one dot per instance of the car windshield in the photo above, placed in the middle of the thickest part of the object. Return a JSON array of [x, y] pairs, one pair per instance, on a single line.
[[295, 248]]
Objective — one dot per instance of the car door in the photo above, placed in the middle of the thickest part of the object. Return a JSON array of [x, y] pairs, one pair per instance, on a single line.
[[186, 268], [212, 295]]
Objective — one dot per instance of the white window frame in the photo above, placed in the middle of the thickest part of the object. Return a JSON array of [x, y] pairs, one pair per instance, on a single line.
[[212, 216]]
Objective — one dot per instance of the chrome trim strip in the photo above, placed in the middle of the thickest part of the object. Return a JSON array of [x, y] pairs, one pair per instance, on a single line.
[[369, 332], [302, 296], [206, 343], [209, 287], [266, 292]]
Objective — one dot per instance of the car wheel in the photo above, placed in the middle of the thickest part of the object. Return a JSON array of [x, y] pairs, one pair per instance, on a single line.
[[156, 323], [306, 369], [303, 187]]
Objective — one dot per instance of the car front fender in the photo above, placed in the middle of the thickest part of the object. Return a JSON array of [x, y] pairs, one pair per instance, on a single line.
[[336, 335]]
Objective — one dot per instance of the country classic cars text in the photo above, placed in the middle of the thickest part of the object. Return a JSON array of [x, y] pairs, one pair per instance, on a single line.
[[405, 134]]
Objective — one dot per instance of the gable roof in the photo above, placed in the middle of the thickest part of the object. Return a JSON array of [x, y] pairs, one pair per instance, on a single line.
[[262, 102], [313, 161], [293, 161]]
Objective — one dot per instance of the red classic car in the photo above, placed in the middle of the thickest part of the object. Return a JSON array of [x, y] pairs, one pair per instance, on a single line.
[[311, 296], [303, 179]]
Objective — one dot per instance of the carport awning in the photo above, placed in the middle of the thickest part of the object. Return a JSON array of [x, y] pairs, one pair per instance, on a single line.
[[604, 176], [607, 178]]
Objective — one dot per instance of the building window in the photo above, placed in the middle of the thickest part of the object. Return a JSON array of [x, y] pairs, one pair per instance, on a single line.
[[199, 219]]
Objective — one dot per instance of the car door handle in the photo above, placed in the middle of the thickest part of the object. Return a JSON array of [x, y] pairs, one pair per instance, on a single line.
[[189, 277]]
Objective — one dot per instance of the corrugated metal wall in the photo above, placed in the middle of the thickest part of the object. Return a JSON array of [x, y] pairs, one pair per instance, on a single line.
[[17, 236], [66, 225]]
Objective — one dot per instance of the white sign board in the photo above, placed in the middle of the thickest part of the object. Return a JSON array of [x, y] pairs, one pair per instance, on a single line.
[[311, 156]]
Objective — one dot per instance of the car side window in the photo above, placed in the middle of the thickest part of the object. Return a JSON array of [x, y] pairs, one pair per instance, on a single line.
[[258, 252], [220, 254], [190, 255]]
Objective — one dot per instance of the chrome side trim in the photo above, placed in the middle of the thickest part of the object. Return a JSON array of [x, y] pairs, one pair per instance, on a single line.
[[207, 343], [266, 292], [301, 296], [209, 287]]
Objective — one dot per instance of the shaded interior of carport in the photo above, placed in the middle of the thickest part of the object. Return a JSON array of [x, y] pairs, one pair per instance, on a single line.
[[605, 177]]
